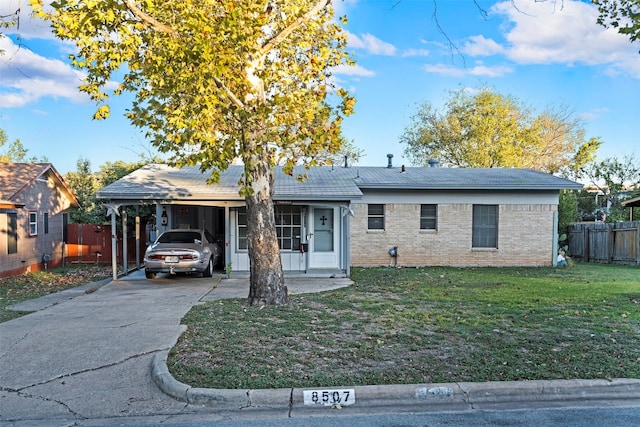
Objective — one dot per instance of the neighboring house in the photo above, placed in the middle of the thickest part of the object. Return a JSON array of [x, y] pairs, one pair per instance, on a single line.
[[34, 201], [632, 203], [343, 217]]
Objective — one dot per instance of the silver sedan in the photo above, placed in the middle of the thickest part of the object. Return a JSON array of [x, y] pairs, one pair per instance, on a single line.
[[183, 251]]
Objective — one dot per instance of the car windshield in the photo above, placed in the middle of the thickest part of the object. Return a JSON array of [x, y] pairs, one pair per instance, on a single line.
[[180, 237]]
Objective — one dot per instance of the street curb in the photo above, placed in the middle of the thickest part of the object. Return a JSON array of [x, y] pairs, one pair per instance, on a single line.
[[449, 396]]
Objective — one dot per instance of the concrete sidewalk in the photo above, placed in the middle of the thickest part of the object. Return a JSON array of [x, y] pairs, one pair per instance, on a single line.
[[86, 354]]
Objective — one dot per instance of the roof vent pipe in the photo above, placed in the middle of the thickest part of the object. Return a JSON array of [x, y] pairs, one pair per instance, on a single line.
[[346, 161], [434, 163], [390, 163]]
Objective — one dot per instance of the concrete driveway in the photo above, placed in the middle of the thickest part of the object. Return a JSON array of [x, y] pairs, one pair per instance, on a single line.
[[86, 353], [89, 356]]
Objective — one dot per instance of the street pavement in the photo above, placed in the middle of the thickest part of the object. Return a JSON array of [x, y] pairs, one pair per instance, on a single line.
[[99, 352]]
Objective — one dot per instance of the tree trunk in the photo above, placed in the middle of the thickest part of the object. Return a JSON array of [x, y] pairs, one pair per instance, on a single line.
[[266, 283]]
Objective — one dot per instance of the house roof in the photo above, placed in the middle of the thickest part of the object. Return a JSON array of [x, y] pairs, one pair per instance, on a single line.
[[429, 178], [14, 177], [631, 203], [164, 183]]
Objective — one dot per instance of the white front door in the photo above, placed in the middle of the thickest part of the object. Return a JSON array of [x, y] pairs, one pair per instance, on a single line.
[[323, 246]]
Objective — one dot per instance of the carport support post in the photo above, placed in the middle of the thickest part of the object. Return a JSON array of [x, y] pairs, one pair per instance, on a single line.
[[114, 242], [137, 237], [125, 266]]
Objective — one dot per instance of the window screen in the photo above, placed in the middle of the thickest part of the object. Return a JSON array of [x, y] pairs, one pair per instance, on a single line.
[[428, 217], [375, 220], [485, 226]]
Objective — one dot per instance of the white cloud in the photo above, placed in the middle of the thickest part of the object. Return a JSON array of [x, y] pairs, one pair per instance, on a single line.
[[29, 26], [479, 70], [593, 114], [481, 46], [415, 52], [352, 70], [343, 6], [371, 44], [547, 33], [25, 77]]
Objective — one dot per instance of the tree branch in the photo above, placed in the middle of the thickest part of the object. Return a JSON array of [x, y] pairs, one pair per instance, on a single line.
[[148, 19], [159, 26], [232, 97], [273, 42]]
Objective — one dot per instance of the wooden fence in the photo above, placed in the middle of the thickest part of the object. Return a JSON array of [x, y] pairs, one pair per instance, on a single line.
[[88, 243], [609, 243]]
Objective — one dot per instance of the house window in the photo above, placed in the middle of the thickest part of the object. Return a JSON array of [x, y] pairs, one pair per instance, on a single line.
[[375, 217], [428, 217], [12, 233], [242, 229], [288, 227], [485, 226], [33, 223], [46, 222]]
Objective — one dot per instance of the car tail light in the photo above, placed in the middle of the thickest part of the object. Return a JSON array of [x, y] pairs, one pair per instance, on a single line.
[[188, 256], [156, 257]]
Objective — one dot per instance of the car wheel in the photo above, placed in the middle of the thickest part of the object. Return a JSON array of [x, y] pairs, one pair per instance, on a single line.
[[208, 272], [149, 274]]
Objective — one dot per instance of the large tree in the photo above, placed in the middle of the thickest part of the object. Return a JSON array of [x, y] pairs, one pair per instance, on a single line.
[[614, 177], [483, 128], [621, 14], [84, 184], [16, 152], [215, 80]]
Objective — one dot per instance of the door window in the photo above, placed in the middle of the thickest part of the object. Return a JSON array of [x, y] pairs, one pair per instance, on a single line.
[[323, 230]]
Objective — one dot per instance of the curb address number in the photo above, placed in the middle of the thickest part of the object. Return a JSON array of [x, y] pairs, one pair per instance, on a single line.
[[342, 397]]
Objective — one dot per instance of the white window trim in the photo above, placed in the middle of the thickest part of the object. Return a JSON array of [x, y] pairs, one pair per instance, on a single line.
[[33, 223], [383, 216]]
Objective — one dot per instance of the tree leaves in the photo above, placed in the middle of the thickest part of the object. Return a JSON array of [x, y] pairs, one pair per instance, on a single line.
[[193, 66], [621, 14], [484, 128]]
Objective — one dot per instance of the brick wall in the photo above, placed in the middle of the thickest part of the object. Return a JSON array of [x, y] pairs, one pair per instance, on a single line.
[[525, 237]]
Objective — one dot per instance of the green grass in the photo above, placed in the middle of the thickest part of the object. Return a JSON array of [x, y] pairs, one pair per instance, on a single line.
[[423, 325], [32, 285]]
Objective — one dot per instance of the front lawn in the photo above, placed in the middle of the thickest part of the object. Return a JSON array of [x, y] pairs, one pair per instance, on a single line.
[[32, 285], [424, 325]]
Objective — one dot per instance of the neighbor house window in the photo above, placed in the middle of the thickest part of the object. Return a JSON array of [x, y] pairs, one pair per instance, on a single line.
[[428, 217], [242, 228], [288, 227], [485, 226], [33, 223], [45, 221], [12, 233], [375, 217]]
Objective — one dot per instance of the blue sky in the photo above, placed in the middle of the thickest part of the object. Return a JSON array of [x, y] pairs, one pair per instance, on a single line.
[[543, 53]]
